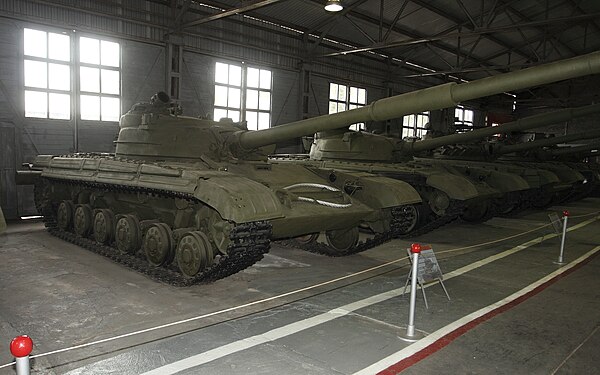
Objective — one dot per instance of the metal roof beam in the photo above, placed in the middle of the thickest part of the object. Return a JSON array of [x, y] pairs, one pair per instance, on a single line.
[[527, 19], [481, 31], [231, 12], [442, 13]]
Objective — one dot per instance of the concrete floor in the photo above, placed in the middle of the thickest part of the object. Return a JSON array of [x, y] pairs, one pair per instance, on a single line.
[[63, 296]]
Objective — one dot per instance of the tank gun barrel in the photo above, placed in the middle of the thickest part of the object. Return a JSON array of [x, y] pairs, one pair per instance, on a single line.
[[576, 149], [546, 142], [432, 98], [530, 122]]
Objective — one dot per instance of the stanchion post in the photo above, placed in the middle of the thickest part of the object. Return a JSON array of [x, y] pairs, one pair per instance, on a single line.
[[20, 348], [411, 334], [564, 237]]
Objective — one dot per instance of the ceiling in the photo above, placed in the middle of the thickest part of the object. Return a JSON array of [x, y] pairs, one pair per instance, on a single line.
[[442, 39], [465, 38]]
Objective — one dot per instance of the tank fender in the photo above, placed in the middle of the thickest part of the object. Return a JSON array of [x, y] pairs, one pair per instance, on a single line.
[[506, 182], [375, 191], [239, 199], [457, 187]]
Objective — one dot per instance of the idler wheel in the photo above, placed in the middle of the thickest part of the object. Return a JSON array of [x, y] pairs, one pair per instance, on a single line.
[[342, 240], [83, 220], [104, 226], [194, 253], [64, 215], [158, 244], [409, 215], [307, 239], [219, 230], [128, 234]]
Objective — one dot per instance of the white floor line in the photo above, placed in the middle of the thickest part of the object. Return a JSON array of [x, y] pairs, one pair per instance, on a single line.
[[302, 325], [433, 337]]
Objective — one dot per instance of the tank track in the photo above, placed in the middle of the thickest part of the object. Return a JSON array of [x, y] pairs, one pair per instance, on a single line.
[[248, 243], [452, 213], [320, 248]]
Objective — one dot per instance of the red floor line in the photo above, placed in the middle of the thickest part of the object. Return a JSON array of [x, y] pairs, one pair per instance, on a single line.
[[447, 339]]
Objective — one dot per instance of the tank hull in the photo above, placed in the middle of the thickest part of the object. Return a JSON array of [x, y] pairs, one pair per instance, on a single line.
[[81, 193]]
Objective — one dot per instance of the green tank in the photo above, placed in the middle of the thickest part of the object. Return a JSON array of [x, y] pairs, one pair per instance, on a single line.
[[184, 201]]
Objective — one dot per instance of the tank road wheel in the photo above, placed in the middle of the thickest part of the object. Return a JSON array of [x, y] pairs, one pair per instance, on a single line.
[[82, 221], [194, 253], [104, 226], [158, 244], [408, 219], [219, 230], [307, 239], [64, 215], [128, 234], [438, 202], [342, 240]]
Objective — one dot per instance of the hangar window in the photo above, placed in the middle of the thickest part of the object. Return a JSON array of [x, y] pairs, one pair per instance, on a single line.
[[47, 74], [99, 79], [463, 119], [414, 125], [48, 71], [243, 93], [342, 98]]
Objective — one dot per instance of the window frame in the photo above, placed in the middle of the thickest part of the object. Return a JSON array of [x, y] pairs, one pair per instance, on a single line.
[[347, 102], [48, 61], [243, 109], [417, 131], [77, 72], [467, 124], [74, 66]]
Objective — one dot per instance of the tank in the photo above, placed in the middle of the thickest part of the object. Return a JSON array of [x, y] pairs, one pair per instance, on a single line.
[[184, 201], [188, 200]]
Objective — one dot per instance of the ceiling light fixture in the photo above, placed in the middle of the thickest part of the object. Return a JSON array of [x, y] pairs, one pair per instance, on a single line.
[[333, 6]]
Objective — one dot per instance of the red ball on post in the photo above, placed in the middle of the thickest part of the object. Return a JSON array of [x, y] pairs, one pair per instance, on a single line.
[[415, 248], [21, 346]]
